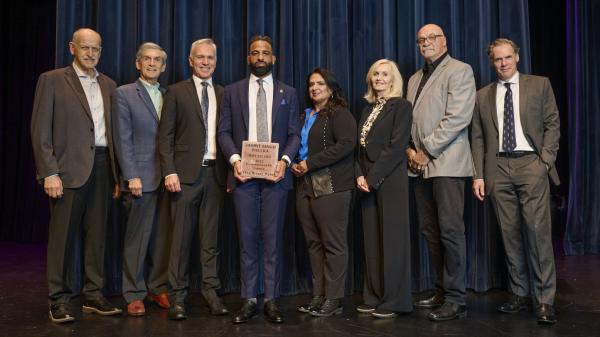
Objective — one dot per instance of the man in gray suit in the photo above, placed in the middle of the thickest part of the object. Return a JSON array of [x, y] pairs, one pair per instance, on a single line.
[[72, 147], [136, 109], [443, 96], [194, 169], [515, 134]]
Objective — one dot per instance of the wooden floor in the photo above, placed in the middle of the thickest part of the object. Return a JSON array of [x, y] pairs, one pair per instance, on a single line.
[[24, 310]]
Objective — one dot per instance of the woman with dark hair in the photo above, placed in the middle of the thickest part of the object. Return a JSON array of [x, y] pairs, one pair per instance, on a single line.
[[325, 182], [381, 176]]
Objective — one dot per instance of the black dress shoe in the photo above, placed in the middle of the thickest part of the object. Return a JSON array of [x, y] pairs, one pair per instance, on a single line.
[[515, 304], [247, 311], [272, 313], [329, 308], [177, 311], [365, 309], [431, 302], [448, 311], [545, 314], [60, 313], [216, 306], [315, 304], [100, 306]]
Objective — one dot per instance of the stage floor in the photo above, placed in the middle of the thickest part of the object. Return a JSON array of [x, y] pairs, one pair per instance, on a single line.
[[23, 310]]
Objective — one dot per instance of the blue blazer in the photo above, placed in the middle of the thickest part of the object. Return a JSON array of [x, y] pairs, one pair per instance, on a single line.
[[233, 124], [135, 125]]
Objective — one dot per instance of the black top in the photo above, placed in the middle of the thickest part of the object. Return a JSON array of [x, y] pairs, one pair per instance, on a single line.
[[428, 69]]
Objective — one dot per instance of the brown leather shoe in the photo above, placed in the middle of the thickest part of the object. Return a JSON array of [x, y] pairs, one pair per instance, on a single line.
[[161, 299], [136, 308]]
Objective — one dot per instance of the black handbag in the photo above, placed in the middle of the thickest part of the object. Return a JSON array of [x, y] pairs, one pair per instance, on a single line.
[[322, 183]]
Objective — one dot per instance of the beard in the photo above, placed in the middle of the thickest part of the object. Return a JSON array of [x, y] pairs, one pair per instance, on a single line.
[[261, 71]]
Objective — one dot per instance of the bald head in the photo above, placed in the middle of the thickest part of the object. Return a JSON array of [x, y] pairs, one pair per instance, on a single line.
[[432, 42], [85, 48], [85, 33]]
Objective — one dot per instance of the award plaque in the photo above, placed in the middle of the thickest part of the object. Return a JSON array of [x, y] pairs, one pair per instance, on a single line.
[[259, 159]]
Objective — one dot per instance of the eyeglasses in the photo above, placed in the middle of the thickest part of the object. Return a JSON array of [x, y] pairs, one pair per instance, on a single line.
[[94, 50], [429, 38]]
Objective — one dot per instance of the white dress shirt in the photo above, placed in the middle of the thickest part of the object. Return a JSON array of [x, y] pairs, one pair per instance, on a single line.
[[95, 102], [155, 95], [211, 149], [522, 143]]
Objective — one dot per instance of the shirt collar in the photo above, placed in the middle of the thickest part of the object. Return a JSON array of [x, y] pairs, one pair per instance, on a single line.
[[434, 64], [198, 81], [513, 80], [81, 73], [150, 86], [268, 80]]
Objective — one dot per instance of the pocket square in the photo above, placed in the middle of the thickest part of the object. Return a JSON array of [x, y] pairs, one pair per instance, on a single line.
[[283, 101]]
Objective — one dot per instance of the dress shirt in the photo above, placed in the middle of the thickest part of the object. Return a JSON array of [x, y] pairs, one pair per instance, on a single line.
[[211, 149], [308, 123], [522, 143], [155, 95], [95, 102]]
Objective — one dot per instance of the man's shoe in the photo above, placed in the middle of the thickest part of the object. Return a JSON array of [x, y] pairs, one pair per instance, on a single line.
[[315, 304], [216, 306], [448, 311], [272, 313], [365, 309], [136, 308], [100, 306], [515, 304], [60, 313], [247, 311], [329, 308], [177, 312], [383, 313], [545, 314], [161, 299], [430, 302]]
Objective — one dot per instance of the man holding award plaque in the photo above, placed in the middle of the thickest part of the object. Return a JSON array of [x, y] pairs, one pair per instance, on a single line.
[[259, 134]]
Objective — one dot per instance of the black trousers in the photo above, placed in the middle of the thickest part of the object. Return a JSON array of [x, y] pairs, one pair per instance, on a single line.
[[325, 224], [440, 204], [195, 211], [146, 244], [80, 215]]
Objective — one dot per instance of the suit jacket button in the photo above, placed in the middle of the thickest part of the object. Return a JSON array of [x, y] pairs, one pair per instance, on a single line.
[[92, 129], [91, 148]]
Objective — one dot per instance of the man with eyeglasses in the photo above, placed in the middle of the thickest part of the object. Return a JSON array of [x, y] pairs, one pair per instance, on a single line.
[[439, 158], [194, 170], [260, 108], [72, 145], [515, 133]]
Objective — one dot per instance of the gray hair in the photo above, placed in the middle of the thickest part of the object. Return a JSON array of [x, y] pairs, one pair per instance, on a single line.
[[208, 41], [150, 45]]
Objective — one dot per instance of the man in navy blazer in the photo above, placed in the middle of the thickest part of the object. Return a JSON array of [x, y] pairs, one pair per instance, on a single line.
[[136, 107], [259, 203]]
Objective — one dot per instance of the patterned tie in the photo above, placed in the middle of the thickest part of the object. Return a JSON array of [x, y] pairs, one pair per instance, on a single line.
[[204, 106], [509, 142], [262, 129]]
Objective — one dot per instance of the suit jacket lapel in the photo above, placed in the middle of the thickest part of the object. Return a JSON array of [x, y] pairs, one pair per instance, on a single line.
[[145, 97], [436, 73], [277, 98], [492, 102], [523, 89], [191, 87], [106, 103], [244, 101], [75, 84], [386, 109]]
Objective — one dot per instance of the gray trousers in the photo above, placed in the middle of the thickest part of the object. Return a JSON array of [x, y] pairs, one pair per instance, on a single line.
[[521, 198]]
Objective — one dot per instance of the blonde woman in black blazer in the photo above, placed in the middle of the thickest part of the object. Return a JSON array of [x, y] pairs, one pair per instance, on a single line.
[[381, 177], [325, 181]]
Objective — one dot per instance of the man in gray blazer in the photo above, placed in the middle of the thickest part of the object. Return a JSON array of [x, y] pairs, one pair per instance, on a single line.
[[194, 169], [515, 134], [72, 147], [136, 109], [443, 96]]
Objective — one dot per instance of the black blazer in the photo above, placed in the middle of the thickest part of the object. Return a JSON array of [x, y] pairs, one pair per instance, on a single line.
[[386, 141], [331, 143], [181, 133]]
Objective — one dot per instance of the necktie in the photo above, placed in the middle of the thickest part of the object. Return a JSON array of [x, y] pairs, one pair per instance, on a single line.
[[204, 106], [509, 142], [262, 128]]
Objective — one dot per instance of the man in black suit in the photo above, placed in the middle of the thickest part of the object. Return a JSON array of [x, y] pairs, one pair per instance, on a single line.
[[194, 171], [77, 170], [515, 132]]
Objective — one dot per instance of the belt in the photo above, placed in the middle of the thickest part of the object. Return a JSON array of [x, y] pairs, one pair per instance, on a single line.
[[515, 154], [101, 149], [208, 162]]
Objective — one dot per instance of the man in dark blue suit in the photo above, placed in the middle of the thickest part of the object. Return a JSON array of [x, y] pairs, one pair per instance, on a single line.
[[137, 108], [259, 108]]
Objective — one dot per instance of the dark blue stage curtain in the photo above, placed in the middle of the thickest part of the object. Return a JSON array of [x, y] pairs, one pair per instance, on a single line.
[[583, 73], [346, 36]]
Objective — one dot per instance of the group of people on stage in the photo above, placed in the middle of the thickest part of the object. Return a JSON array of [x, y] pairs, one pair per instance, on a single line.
[[173, 154]]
